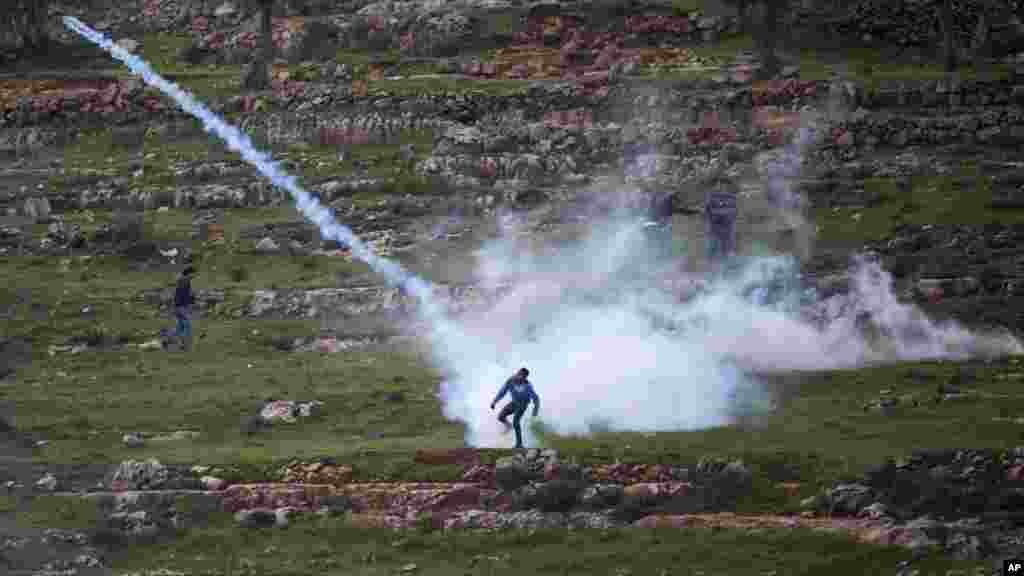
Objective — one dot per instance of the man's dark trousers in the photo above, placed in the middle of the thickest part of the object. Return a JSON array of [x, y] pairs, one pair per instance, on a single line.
[[516, 410]]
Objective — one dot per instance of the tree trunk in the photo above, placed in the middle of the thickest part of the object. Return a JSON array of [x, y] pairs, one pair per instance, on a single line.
[[257, 74], [948, 46]]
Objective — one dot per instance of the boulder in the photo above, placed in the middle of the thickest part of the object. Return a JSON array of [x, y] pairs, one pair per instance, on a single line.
[[256, 518], [512, 472], [267, 246], [38, 209], [139, 475]]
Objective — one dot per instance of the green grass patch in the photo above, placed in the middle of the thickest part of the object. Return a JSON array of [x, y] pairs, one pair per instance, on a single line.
[[961, 198], [160, 50], [875, 68], [329, 546], [726, 48], [8, 503], [86, 402], [155, 161], [59, 512]]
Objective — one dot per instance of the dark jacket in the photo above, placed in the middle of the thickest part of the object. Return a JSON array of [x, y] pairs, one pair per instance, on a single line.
[[521, 391], [662, 205], [183, 296], [721, 208]]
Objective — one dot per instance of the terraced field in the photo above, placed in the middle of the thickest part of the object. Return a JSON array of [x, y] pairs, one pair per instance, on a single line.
[[508, 154]]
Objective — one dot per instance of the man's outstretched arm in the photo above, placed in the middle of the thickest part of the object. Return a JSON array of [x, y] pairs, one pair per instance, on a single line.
[[501, 393], [536, 402]]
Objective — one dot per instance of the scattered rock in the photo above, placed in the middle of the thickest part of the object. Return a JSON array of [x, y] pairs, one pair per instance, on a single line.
[[133, 441], [37, 209], [279, 412], [283, 516], [849, 499], [267, 246], [336, 505], [139, 475], [213, 483], [324, 472], [224, 10], [256, 518], [512, 472], [598, 496], [47, 483]]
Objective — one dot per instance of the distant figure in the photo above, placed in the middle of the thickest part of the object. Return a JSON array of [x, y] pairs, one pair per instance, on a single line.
[[720, 212], [522, 393], [661, 207], [184, 299]]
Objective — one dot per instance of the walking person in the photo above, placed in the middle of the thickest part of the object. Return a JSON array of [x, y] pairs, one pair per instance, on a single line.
[[522, 393], [720, 212], [184, 299]]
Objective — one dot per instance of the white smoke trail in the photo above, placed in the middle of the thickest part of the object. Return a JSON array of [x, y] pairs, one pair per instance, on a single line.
[[307, 204]]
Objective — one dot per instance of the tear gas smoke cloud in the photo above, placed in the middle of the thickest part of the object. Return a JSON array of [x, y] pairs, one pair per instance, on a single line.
[[605, 343], [607, 346]]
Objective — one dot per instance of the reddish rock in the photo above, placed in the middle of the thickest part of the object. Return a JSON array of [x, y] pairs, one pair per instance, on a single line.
[[609, 54], [790, 488], [519, 71], [441, 457], [742, 76], [488, 168], [465, 497], [304, 497], [552, 470], [1015, 473], [657, 521], [656, 490], [845, 139], [479, 474]]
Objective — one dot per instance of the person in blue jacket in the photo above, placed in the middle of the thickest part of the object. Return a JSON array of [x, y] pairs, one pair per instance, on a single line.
[[522, 393], [720, 212], [184, 300]]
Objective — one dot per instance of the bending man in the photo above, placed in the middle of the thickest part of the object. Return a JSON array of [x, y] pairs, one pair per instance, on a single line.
[[521, 392]]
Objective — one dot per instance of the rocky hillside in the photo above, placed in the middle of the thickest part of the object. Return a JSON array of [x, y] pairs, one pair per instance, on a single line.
[[423, 124]]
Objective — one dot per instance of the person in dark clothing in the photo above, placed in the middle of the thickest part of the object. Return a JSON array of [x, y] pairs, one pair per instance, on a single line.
[[720, 212], [522, 393], [183, 301], [661, 207]]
